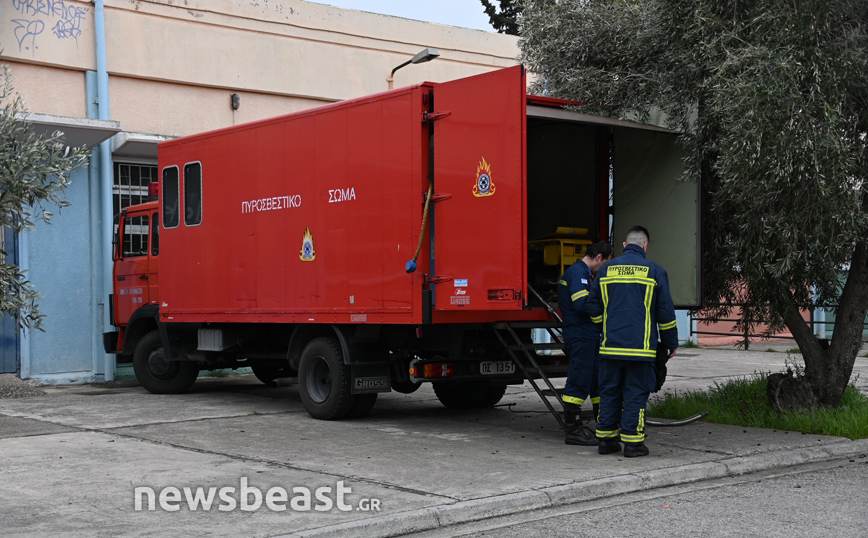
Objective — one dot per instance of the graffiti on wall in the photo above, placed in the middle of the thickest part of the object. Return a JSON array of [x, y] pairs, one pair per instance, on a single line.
[[62, 20]]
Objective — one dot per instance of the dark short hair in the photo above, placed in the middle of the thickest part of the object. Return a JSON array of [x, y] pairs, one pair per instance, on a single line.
[[600, 247], [635, 236]]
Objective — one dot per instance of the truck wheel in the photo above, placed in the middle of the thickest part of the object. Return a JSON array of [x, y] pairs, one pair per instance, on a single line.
[[405, 387], [492, 395], [269, 371], [362, 405], [324, 380], [156, 373], [461, 394]]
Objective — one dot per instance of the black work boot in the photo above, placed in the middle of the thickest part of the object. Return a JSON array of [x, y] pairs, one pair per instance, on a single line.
[[609, 446], [576, 434], [635, 450]]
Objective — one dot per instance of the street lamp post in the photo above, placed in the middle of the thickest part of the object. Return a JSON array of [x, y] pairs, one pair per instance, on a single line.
[[425, 55]]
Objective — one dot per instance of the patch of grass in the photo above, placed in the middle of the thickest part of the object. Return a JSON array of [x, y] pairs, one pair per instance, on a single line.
[[743, 402], [770, 350], [689, 344], [254, 414], [795, 350]]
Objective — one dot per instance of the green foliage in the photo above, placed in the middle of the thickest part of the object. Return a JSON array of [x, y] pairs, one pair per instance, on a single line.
[[771, 100], [504, 16], [771, 97], [743, 402], [689, 344], [34, 172]]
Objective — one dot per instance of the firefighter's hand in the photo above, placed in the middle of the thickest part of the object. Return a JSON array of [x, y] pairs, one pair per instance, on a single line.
[[672, 352]]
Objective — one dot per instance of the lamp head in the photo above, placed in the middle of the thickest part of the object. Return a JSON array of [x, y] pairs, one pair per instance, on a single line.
[[425, 56]]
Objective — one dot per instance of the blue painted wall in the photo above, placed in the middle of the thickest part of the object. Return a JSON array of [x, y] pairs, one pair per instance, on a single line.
[[61, 269]]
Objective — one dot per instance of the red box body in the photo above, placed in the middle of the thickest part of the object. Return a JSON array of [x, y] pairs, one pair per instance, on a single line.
[[311, 217]]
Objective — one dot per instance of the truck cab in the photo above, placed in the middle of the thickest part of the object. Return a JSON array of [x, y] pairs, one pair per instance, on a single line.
[[136, 274]]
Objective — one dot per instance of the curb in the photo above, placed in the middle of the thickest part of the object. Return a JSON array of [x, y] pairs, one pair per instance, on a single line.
[[427, 519]]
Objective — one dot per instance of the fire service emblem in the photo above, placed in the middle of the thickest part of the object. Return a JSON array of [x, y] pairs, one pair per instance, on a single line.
[[484, 185], [307, 253]]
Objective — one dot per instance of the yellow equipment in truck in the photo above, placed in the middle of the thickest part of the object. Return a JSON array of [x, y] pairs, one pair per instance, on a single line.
[[562, 248]]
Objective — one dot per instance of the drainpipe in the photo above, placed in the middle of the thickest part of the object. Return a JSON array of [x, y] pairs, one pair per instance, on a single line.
[[106, 181], [94, 180]]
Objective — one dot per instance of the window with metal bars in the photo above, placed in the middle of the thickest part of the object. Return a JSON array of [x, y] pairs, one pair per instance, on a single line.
[[130, 188], [136, 236]]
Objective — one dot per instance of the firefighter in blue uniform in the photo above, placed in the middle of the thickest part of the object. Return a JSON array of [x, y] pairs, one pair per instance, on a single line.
[[582, 339], [632, 295]]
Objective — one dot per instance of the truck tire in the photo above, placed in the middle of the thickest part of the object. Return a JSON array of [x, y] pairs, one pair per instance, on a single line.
[[405, 387], [362, 405], [492, 395], [157, 374], [324, 380], [460, 394]]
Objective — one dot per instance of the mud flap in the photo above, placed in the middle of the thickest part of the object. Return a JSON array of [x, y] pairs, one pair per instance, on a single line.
[[370, 377]]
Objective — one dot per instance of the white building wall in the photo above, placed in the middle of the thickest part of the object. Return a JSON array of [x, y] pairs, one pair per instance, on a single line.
[[172, 67]]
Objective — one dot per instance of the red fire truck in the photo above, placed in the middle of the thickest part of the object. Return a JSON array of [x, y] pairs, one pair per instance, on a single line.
[[381, 242]]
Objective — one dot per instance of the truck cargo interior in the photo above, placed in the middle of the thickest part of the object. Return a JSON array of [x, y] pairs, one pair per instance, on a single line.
[[573, 160], [564, 197]]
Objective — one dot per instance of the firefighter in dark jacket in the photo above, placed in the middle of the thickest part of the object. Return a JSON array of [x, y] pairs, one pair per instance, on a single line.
[[632, 295], [582, 339]]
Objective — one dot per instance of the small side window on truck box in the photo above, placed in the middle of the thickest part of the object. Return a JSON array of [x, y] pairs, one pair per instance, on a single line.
[[193, 194], [171, 193]]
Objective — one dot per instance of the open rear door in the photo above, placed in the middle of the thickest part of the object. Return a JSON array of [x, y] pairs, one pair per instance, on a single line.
[[479, 238], [647, 192]]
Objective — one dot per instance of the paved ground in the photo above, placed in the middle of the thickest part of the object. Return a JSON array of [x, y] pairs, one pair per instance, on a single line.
[[820, 499], [71, 459]]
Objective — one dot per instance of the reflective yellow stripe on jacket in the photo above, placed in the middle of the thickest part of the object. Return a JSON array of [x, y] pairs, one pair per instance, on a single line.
[[628, 352], [578, 295]]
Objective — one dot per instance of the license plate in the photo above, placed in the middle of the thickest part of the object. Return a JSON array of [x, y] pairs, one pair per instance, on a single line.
[[496, 367]]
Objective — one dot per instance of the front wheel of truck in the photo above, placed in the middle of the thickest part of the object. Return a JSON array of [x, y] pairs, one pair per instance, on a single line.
[[324, 380], [156, 372]]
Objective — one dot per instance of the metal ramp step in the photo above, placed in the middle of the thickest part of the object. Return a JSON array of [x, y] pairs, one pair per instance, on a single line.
[[534, 347], [550, 371], [513, 343]]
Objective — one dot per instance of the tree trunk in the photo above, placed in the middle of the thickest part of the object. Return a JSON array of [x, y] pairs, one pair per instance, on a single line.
[[828, 370]]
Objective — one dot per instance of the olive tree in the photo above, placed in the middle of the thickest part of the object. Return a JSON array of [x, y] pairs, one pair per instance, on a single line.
[[771, 100], [34, 171], [503, 16]]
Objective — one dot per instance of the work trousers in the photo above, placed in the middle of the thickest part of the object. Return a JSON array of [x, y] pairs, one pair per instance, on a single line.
[[624, 389], [583, 372]]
